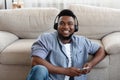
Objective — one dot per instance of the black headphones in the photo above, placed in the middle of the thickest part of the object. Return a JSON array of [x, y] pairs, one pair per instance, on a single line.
[[56, 23]]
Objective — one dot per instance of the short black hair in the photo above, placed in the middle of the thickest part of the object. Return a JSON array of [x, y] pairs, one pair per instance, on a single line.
[[66, 12]]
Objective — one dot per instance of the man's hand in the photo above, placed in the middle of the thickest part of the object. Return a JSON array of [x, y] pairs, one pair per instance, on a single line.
[[72, 71], [87, 68]]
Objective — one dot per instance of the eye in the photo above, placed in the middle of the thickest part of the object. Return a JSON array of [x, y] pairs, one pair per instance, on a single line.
[[62, 23], [70, 23]]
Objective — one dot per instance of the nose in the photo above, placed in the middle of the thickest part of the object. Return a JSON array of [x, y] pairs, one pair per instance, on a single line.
[[66, 26]]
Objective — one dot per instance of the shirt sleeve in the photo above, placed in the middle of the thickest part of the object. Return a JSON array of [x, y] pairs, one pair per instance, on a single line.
[[39, 48], [91, 46]]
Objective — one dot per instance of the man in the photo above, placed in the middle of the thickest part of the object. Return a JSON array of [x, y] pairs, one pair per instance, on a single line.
[[61, 55]]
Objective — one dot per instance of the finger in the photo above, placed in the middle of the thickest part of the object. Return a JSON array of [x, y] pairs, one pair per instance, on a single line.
[[77, 72]]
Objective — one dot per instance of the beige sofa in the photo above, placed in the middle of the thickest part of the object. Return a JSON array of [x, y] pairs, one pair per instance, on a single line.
[[19, 28]]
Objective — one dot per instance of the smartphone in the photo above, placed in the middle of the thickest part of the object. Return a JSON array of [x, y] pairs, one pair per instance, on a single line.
[[86, 68]]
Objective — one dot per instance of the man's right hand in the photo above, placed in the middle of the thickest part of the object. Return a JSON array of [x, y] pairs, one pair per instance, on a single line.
[[72, 71]]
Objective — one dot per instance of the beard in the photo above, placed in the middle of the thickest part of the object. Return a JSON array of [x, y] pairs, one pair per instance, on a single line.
[[65, 38]]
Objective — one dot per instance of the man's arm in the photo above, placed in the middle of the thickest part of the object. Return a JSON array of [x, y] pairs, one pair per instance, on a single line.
[[100, 54], [55, 69]]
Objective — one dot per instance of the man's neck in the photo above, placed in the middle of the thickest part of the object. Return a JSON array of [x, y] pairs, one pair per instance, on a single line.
[[65, 41]]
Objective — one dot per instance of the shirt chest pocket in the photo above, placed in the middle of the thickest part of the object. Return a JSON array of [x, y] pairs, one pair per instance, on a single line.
[[58, 58], [79, 58]]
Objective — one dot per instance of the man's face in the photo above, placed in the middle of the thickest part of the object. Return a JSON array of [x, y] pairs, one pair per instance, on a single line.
[[66, 26]]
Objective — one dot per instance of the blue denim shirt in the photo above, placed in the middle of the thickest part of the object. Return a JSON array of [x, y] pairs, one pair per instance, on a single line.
[[49, 47]]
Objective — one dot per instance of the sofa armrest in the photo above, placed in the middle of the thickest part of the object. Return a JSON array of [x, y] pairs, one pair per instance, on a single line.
[[111, 43], [6, 38]]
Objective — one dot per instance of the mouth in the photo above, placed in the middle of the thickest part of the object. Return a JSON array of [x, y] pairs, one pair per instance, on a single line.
[[65, 35], [66, 31]]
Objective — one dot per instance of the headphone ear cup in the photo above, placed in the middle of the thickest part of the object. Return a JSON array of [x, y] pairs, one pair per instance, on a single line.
[[76, 28], [55, 26]]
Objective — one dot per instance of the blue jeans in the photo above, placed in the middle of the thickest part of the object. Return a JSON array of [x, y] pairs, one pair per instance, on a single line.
[[38, 72]]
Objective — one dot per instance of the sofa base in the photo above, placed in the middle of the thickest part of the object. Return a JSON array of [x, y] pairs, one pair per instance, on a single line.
[[13, 72]]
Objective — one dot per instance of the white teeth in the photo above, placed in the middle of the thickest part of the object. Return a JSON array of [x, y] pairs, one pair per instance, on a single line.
[[66, 31]]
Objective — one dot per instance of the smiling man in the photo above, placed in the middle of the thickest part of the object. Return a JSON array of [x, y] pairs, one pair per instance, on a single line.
[[61, 55]]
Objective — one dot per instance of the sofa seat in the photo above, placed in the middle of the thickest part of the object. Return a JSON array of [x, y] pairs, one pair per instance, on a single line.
[[17, 53]]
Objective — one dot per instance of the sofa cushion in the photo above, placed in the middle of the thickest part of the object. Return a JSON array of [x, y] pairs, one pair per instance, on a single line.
[[6, 38], [17, 53], [28, 22], [96, 22], [112, 43]]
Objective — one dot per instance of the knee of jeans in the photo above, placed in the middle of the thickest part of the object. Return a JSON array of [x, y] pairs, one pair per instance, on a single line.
[[40, 69]]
